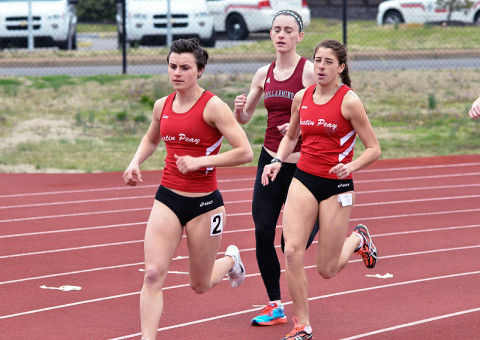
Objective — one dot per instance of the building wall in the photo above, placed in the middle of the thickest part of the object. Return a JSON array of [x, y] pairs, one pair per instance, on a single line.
[[356, 9]]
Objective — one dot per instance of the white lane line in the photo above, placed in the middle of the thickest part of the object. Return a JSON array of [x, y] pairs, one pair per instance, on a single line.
[[414, 323], [253, 178], [70, 249], [391, 190], [73, 273], [234, 214], [425, 252], [149, 186], [310, 299], [187, 285], [120, 225], [225, 232], [96, 200]]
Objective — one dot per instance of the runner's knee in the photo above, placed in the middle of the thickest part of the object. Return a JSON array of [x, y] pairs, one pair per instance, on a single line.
[[154, 276], [199, 287]]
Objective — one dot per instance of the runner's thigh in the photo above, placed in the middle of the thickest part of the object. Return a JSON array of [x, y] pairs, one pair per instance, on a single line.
[[162, 236], [204, 235], [299, 215]]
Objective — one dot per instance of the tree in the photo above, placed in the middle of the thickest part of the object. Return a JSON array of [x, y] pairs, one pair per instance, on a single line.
[[454, 5], [100, 11]]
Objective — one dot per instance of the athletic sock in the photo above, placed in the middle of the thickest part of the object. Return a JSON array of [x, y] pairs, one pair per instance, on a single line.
[[361, 241]]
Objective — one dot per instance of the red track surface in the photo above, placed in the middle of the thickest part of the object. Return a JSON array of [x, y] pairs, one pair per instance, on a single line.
[[87, 230]]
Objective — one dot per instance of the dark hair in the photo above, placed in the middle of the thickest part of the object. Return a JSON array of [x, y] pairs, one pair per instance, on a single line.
[[295, 15], [191, 45], [341, 53]]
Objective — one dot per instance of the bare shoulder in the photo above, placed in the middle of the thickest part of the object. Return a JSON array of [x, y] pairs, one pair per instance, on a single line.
[[160, 102], [216, 106], [308, 78], [298, 97], [216, 102], [351, 98], [158, 106], [300, 93], [260, 76], [308, 67], [352, 105]]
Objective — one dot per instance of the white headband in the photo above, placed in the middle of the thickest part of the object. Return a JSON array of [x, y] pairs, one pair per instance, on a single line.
[[288, 12]]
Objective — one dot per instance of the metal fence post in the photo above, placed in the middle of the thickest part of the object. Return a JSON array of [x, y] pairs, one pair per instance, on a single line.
[[124, 38], [344, 17]]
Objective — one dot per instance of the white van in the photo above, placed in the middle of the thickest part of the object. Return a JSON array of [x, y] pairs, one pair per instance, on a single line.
[[54, 23], [146, 21], [238, 18]]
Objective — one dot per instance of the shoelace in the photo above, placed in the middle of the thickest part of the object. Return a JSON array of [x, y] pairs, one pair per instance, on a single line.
[[267, 309], [297, 327]]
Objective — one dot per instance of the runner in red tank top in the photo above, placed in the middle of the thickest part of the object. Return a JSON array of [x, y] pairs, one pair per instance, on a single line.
[[191, 122], [329, 115], [278, 82]]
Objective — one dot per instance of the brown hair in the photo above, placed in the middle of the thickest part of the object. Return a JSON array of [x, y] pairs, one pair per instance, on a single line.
[[341, 53], [191, 45]]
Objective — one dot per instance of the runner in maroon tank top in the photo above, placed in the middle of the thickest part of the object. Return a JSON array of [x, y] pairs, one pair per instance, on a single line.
[[278, 82]]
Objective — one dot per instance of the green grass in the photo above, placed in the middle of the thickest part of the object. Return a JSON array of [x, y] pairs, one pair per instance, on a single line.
[[96, 123], [96, 28], [362, 36]]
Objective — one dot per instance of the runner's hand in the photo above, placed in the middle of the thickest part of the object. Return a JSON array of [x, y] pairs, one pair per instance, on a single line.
[[186, 164], [132, 176], [270, 171]]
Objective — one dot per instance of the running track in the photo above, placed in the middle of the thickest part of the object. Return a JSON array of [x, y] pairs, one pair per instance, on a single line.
[[87, 229]]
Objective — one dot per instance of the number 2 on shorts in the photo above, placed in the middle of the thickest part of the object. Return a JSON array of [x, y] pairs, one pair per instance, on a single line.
[[216, 224]]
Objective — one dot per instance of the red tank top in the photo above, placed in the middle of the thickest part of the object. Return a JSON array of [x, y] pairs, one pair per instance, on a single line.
[[188, 134], [278, 101], [328, 138]]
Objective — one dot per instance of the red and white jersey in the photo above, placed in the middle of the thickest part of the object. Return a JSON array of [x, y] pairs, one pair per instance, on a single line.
[[188, 134], [328, 138]]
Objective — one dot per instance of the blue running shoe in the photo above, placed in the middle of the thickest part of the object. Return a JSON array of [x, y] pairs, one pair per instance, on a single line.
[[271, 314]]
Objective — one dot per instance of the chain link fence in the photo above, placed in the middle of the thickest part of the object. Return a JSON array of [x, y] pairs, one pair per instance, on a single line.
[[46, 38]]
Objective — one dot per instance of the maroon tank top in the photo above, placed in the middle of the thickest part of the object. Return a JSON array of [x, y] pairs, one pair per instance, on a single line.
[[278, 101]]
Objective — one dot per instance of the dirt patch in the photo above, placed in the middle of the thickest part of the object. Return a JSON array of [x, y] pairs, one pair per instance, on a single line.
[[38, 130]]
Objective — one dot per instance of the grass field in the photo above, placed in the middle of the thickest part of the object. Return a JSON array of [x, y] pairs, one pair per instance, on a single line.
[[62, 123]]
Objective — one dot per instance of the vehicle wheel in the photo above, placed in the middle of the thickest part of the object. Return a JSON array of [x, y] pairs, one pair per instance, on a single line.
[[236, 27], [74, 41], [392, 17], [119, 40], [70, 43], [477, 19], [210, 42]]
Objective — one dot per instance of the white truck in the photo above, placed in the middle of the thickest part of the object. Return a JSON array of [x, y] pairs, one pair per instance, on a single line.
[[53, 23], [239, 18], [146, 21]]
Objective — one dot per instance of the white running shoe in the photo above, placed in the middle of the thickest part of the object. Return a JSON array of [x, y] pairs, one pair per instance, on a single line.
[[237, 274]]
